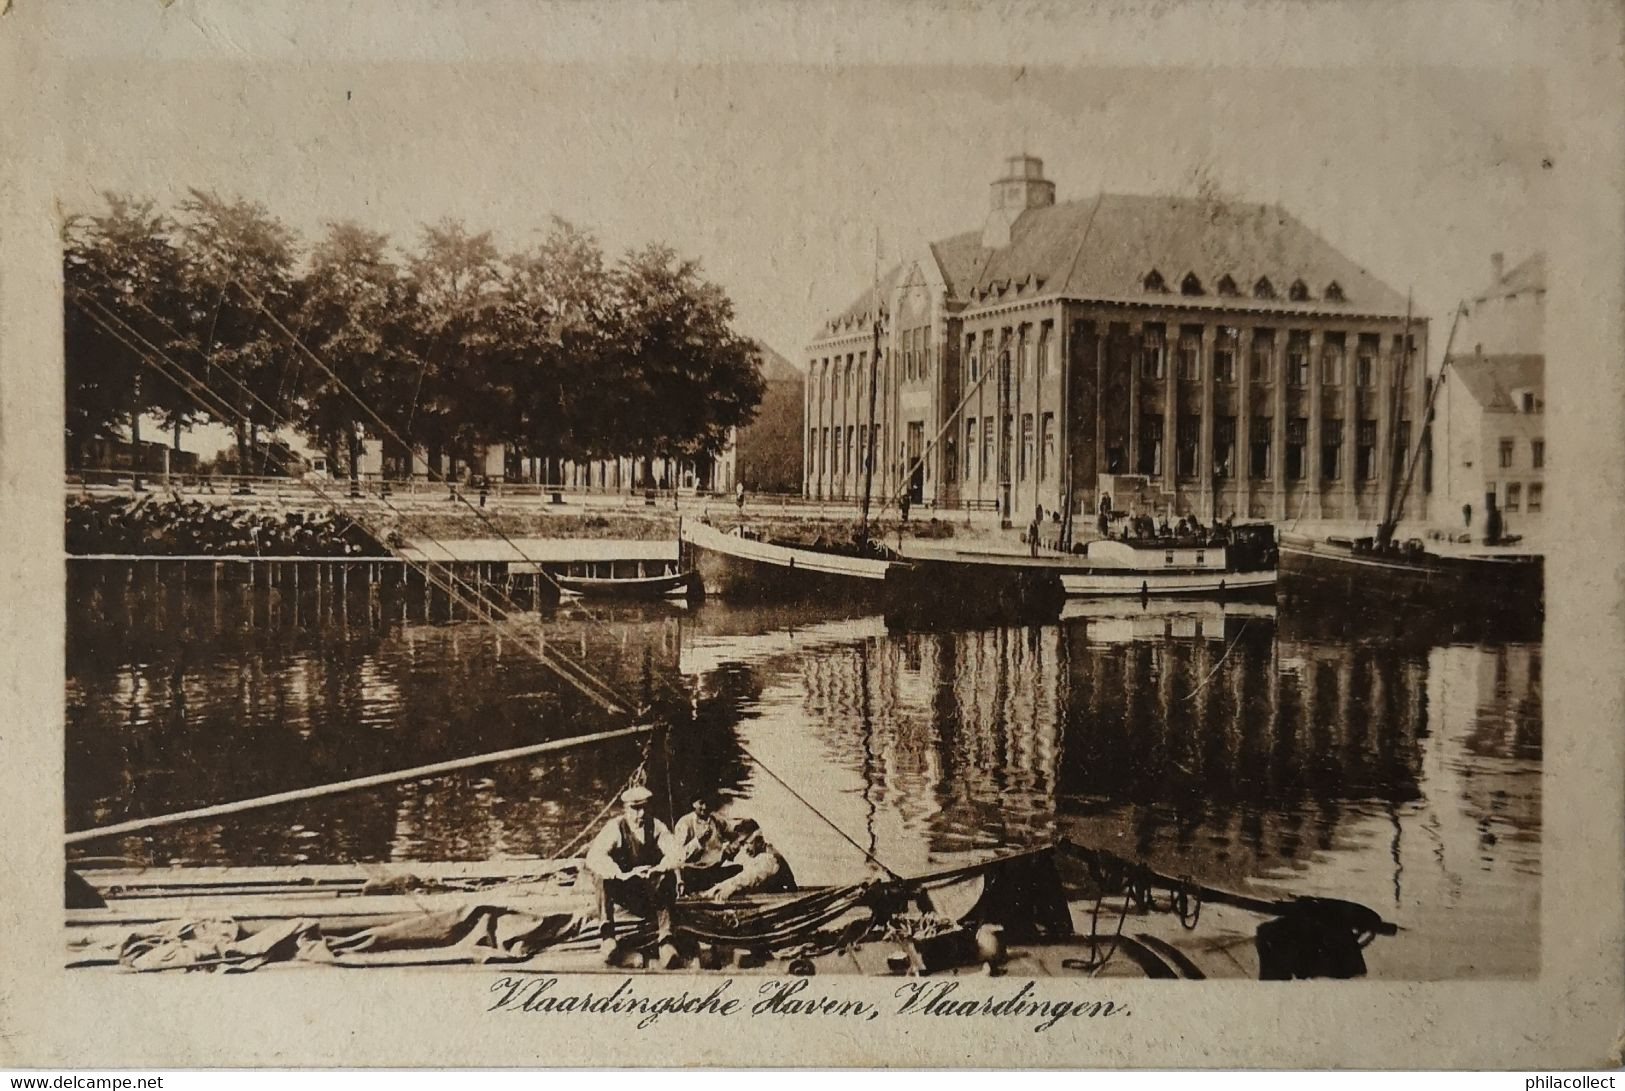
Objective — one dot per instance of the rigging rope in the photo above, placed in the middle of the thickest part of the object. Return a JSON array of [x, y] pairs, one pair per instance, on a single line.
[[361, 403], [450, 586], [820, 814], [299, 344], [277, 418], [203, 394], [472, 599]]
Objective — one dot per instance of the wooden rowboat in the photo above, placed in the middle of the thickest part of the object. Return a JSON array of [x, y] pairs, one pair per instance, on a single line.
[[677, 584]]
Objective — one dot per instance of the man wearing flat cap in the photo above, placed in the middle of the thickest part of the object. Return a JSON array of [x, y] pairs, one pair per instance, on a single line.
[[702, 838], [634, 860]]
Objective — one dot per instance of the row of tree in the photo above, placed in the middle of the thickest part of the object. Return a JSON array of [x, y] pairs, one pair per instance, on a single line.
[[552, 350]]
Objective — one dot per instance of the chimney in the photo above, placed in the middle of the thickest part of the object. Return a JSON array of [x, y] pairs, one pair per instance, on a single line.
[[1498, 265], [1022, 187]]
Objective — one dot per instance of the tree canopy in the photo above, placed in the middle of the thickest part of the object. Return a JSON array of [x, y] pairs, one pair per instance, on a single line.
[[552, 349]]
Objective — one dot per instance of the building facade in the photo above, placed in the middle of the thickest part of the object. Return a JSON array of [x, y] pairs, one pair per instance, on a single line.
[[1176, 355], [1492, 408]]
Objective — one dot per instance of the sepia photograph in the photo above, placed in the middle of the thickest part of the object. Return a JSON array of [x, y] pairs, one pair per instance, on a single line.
[[621, 533]]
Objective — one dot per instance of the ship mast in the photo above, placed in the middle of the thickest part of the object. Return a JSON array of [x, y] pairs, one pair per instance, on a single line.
[[1385, 528], [874, 379], [1386, 531]]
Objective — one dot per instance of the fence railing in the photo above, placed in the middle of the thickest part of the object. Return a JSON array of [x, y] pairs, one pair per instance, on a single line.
[[252, 489]]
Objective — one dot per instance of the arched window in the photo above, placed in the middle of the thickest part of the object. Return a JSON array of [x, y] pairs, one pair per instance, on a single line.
[[1263, 289], [1154, 283], [1298, 292], [1227, 285], [1334, 292], [1190, 285]]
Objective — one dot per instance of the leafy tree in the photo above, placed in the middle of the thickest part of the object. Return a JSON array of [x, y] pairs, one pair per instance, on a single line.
[[356, 319], [122, 299], [238, 276], [453, 281], [553, 324], [686, 377], [547, 350]]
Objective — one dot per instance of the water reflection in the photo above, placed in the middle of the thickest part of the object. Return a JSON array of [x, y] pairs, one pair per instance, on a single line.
[[1224, 743], [180, 697], [1398, 767]]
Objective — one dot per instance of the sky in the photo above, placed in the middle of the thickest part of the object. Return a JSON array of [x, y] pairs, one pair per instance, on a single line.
[[791, 182]]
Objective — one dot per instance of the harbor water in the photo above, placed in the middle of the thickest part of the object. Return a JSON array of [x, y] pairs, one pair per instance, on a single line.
[[1249, 747]]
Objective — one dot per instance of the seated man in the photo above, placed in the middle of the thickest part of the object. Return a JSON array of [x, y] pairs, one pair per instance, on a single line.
[[701, 840], [634, 861], [761, 869]]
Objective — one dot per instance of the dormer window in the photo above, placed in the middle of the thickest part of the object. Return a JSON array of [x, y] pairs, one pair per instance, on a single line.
[[1154, 283], [1525, 400], [1334, 292], [1190, 285], [1227, 285], [1263, 289], [1299, 292]]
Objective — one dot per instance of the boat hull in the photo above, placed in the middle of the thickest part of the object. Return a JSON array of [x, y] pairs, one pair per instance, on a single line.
[[1151, 584], [734, 567], [1490, 584], [645, 588], [1048, 900], [1033, 580]]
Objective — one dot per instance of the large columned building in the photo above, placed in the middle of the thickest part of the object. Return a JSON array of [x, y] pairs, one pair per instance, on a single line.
[[1184, 354]]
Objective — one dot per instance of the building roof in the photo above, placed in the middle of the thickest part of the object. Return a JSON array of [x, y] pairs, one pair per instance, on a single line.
[[1105, 247], [1529, 275], [1490, 380], [775, 368], [862, 309]]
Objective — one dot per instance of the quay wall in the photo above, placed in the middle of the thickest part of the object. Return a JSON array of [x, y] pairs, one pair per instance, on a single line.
[[574, 531]]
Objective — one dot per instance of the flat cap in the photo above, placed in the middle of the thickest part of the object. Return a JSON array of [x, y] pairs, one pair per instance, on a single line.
[[638, 794]]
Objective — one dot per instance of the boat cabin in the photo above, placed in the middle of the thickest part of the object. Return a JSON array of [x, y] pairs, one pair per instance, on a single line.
[[1155, 553]]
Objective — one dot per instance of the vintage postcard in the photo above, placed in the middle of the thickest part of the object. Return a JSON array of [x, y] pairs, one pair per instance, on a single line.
[[813, 534]]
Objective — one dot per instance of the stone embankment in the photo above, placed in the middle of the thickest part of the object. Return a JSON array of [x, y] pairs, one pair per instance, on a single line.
[[222, 524]]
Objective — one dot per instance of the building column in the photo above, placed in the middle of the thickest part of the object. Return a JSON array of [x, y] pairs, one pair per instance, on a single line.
[[1316, 340], [1066, 487], [1034, 337], [1029, 347], [1170, 414], [1021, 366], [1243, 466], [860, 420], [1388, 359], [1351, 424], [1136, 339], [1100, 329], [1420, 423], [850, 410], [1208, 502], [1004, 433], [826, 432], [837, 416], [968, 481], [823, 430], [1278, 354]]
